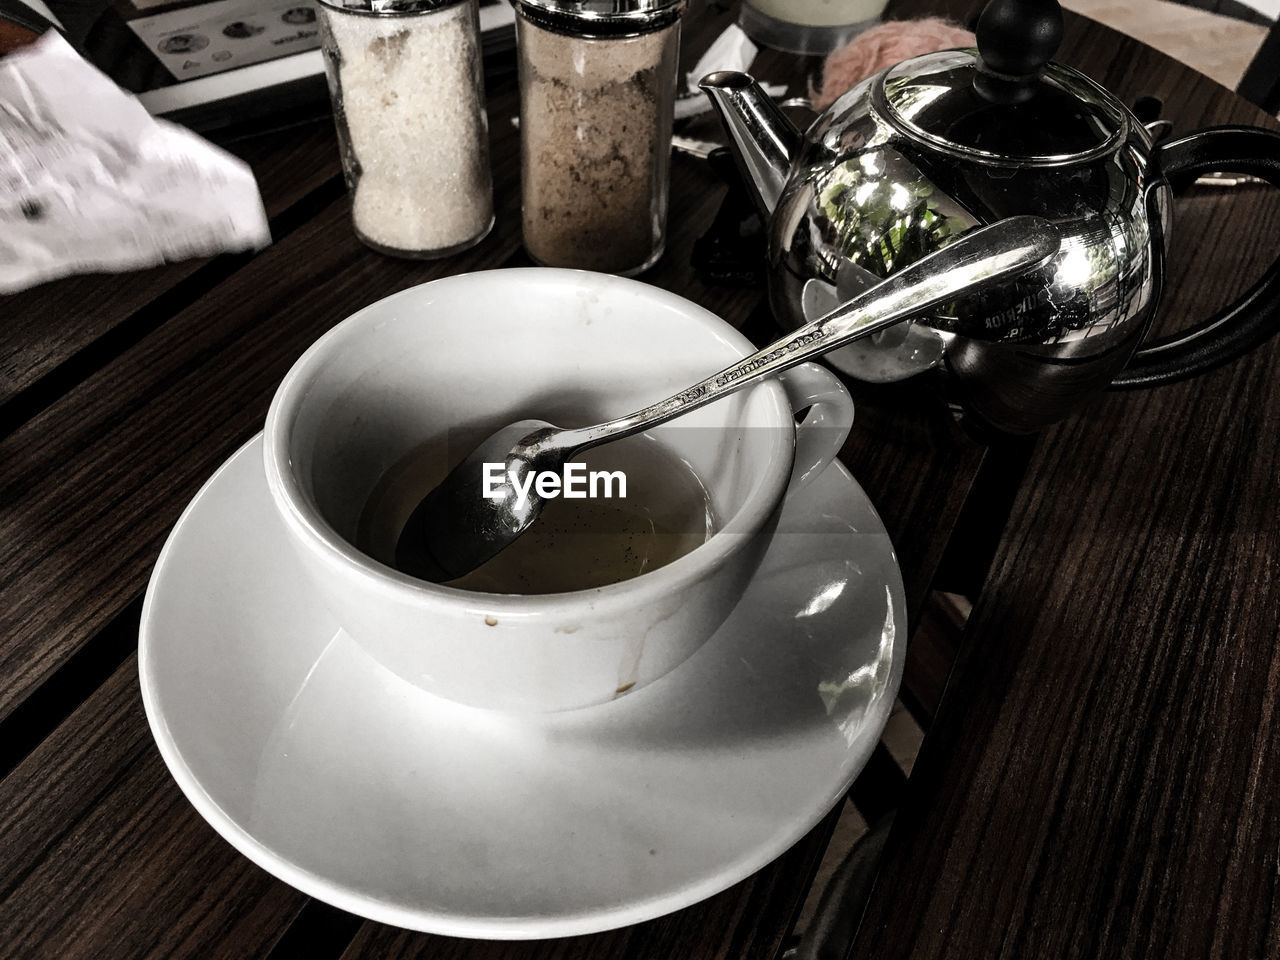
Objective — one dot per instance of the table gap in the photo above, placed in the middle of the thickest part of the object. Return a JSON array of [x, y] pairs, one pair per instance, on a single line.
[[963, 570], [68, 687], [967, 560], [319, 932]]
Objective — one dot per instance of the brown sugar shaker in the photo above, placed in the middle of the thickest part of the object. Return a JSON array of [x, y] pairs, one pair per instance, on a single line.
[[597, 90], [408, 99]]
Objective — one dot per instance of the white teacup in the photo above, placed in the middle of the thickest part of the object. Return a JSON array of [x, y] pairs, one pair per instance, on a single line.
[[567, 346]]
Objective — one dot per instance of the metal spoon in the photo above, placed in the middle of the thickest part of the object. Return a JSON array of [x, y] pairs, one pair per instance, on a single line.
[[456, 528]]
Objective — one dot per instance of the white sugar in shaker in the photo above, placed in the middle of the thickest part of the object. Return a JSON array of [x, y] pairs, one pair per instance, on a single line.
[[408, 99]]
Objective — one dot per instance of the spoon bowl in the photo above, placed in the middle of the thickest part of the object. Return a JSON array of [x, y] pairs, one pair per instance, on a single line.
[[524, 448]]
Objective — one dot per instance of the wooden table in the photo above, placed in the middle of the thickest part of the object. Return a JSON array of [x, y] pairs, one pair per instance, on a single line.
[[1101, 777]]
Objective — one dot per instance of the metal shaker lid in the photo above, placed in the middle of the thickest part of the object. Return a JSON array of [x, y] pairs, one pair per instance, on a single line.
[[1065, 117], [601, 18], [388, 8]]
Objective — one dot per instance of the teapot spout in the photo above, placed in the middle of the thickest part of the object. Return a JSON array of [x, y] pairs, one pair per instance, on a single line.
[[764, 142]]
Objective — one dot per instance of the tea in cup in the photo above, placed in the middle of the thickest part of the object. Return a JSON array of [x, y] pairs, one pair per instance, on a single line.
[[643, 507]]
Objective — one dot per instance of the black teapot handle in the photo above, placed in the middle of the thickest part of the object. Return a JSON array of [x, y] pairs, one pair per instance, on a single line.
[[1235, 330]]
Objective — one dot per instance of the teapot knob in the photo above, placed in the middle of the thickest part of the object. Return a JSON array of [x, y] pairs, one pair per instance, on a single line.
[[1016, 38]]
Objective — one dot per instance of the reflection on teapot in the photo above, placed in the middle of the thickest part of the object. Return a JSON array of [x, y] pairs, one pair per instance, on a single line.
[[913, 158]]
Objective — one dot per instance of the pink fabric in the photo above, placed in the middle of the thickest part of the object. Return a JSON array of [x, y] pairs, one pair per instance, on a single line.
[[883, 46]]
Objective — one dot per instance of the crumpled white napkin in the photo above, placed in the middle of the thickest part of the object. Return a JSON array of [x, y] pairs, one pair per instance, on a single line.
[[89, 181], [732, 50]]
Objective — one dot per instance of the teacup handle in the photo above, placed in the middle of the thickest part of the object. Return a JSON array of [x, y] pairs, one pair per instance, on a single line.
[[1255, 316], [828, 418]]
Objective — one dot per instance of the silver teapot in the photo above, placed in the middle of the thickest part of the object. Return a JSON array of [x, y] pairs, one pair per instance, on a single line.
[[913, 158]]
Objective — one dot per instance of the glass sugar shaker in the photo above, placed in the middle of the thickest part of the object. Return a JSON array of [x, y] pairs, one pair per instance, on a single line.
[[597, 91], [407, 85]]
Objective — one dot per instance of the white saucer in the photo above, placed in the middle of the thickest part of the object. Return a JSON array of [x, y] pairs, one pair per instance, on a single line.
[[376, 797]]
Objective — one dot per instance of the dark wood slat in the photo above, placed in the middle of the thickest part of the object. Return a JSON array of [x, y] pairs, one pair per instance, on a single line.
[[1100, 779], [42, 327], [99, 845]]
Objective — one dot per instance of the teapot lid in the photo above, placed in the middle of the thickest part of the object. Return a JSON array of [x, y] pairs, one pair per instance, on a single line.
[[938, 98], [1006, 101]]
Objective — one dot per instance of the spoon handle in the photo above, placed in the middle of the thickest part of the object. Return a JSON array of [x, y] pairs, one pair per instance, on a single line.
[[978, 260]]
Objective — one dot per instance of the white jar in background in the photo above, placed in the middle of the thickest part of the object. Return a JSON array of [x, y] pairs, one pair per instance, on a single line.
[[813, 27], [407, 85]]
